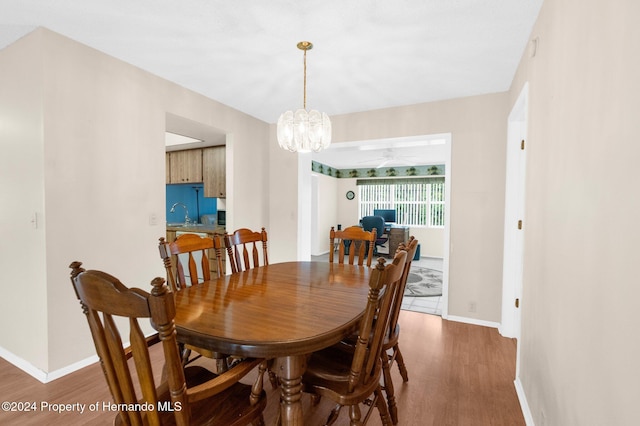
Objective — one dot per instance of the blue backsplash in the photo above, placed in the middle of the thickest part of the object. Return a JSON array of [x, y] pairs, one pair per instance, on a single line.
[[186, 194]]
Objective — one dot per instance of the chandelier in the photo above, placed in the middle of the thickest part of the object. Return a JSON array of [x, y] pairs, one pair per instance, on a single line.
[[304, 131]]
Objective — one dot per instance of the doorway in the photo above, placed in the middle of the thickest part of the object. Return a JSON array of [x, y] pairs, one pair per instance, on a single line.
[[419, 150]]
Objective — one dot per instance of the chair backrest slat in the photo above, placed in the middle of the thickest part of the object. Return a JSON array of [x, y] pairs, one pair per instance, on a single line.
[[102, 349], [119, 360], [356, 241], [143, 365], [382, 284]]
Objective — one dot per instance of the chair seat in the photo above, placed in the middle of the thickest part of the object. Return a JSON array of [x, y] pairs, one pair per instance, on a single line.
[[328, 372], [229, 411], [232, 411], [390, 339]]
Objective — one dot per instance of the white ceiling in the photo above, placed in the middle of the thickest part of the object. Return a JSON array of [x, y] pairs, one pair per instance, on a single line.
[[368, 54], [410, 151]]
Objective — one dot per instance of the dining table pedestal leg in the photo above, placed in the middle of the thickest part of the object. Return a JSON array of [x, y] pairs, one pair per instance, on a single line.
[[290, 370]]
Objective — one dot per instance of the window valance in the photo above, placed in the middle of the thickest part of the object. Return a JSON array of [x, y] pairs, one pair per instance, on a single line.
[[401, 181]]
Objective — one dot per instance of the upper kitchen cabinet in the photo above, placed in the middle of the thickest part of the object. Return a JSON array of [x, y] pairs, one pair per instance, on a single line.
[[185, 166], [168, 167], [215, 171]]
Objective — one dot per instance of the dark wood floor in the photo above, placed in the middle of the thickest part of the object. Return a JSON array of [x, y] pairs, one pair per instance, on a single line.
[[459, 374]]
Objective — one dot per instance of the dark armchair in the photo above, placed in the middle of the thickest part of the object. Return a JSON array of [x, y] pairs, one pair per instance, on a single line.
[[375, 222]]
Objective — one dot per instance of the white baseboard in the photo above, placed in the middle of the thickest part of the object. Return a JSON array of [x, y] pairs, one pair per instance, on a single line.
[[56, 374], [524, 405], [43, 376], [473, 321], [505, 333]]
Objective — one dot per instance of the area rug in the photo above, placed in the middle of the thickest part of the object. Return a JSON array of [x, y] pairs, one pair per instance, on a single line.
[[423, 282]]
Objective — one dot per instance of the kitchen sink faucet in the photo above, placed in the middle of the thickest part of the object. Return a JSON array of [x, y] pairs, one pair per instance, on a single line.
[[186, 212]]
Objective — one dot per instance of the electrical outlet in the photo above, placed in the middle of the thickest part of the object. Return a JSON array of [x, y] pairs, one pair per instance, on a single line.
[[472, 306], [153, 219]]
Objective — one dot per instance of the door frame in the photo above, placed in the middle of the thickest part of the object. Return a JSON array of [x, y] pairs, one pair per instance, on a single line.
[[513, 257]]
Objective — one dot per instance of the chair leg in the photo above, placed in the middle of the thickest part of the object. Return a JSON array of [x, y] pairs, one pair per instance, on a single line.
[[400, 362], [388, 387], [273, 378], [355, 415], [221, 365], [184, 354], [257, 387], [382, 408], [333, 416]]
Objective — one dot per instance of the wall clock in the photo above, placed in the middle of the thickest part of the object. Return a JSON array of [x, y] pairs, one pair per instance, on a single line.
[[350, 195]]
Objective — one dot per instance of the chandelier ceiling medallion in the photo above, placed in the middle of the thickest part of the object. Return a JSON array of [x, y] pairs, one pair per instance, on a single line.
[[304, 131]]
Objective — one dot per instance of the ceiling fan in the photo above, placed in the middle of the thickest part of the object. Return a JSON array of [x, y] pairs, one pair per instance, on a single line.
[[390, 158]]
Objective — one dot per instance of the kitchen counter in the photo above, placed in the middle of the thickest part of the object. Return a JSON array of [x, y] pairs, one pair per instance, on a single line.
[[209, 229]]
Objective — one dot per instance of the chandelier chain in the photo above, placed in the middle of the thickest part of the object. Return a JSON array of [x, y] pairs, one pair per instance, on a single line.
[[304, 96]]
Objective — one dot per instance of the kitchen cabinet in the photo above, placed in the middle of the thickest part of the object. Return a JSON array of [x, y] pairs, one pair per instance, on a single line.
[[168, 167], [184, 166], [214, 171]]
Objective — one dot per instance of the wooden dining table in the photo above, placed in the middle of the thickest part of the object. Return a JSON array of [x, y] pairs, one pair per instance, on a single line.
[[281, 311]]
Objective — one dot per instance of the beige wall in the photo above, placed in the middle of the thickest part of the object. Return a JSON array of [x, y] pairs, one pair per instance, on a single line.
[[580, 347], [85, 138], [325, 211], [283, 201], [23, 305], [348, 214]]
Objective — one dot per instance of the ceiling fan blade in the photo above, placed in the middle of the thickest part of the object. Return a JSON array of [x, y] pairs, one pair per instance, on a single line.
[[384, 163], [371, 160]]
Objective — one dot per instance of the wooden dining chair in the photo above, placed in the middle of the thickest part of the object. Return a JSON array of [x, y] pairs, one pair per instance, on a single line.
[[242, 249], [349, 375], [186, 261], [353, 242], [393, 333], [177, 396]]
